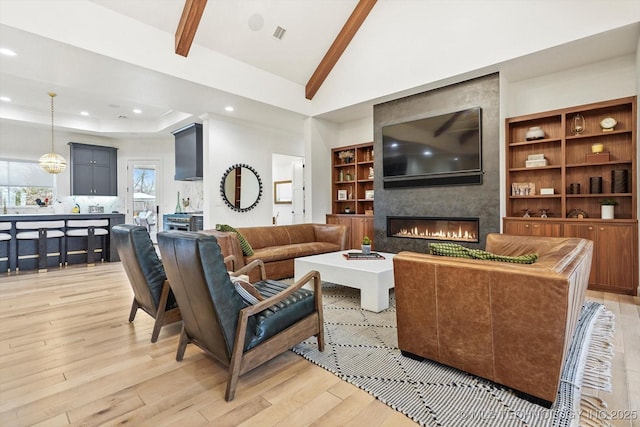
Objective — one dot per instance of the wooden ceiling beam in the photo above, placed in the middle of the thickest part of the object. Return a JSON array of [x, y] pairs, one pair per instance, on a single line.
[[338, 46], [189, 21]]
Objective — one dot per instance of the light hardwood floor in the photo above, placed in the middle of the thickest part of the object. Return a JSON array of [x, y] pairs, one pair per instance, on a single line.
[[69, 356]]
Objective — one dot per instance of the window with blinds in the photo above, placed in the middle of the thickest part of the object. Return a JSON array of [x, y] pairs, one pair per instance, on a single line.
[[22, 182]]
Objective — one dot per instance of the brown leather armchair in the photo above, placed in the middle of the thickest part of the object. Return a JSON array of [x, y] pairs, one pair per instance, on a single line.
[[220, 322], [151, 290], [509, 323]]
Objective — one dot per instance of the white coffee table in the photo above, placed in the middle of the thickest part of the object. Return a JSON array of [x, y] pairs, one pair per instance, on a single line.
[[374, 278]]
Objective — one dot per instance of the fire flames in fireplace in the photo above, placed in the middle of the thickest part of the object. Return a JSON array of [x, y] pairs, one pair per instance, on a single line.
[[438, 234], [451, 229]]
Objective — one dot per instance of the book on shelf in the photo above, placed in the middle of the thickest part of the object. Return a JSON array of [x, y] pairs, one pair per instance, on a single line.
[[360, 255]]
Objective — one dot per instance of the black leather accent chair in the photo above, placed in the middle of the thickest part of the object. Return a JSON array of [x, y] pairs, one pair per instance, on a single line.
[[151, 290], [216, 318]]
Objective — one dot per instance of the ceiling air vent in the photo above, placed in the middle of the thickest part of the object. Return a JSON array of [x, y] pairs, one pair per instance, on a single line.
[[279, 33]]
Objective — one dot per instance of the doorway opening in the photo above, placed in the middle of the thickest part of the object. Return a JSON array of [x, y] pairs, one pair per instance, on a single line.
[[143, 194]]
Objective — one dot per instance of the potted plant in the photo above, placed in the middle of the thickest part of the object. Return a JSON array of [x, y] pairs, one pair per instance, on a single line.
[[366, 245], [346, 156], [606, 208]]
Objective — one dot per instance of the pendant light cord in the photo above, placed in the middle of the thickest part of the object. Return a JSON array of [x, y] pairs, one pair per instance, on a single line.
[[52, 95]]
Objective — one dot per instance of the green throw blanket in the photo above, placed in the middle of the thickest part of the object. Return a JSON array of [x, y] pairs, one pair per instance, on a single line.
[[455, 250], [244, 244]]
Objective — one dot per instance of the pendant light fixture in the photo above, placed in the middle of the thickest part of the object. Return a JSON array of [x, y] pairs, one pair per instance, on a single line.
[[52, 162]]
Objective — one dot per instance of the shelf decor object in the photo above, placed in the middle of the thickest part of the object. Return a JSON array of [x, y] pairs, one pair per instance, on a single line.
[[52, 162], [577, 213], [595, 185], [601, 157], [619, 179], [608, 124], [607, 207], [346, 156], [577, 124], [574, 188], [534, 133], [523, 189]]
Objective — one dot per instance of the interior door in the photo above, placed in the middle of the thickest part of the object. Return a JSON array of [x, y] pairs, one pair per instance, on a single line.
[[144, 194], [298, 191]]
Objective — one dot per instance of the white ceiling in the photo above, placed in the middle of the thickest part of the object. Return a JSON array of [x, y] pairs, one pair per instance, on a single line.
[[110, 87]]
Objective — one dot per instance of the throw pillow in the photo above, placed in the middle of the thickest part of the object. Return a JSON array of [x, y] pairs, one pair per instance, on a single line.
[[455, 250], [244, 244], [246, 290]]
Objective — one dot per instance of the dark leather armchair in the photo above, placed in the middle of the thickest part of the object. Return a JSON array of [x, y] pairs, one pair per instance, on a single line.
[[220, 322], [151, 290]]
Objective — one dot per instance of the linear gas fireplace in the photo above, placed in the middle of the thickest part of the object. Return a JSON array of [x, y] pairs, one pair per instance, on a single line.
[[430, 228]]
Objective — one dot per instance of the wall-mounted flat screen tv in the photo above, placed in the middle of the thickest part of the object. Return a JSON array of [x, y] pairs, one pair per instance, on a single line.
[[438, 150]]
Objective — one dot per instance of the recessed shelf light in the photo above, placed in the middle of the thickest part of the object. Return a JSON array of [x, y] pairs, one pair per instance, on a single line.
[[228, 108], [7, 52], [5, 99], [84, 113], [137, 111]]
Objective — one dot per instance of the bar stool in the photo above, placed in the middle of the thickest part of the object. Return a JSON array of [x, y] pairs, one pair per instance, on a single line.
[[5, 246], [82, 235], [40, 240]]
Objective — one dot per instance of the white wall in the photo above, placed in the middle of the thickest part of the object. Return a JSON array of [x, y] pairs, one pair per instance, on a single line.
[[615, 78], [320, 137], [355, 132], [231, 142]]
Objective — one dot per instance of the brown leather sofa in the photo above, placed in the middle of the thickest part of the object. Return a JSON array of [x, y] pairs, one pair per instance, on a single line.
[[277, 246], [509, 323]]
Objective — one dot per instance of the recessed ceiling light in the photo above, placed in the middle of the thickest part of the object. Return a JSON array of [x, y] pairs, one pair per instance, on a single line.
[[137, 110], [84, 113], [7, 52], [228, 108], [5, 99], [428, 153]]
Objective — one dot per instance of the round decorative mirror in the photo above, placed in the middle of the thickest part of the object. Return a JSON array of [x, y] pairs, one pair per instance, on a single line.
[[241, 187]]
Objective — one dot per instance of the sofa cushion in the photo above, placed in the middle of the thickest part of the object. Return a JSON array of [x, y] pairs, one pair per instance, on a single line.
[[265, 237], [277, 253], [455, 250], [244, 244]]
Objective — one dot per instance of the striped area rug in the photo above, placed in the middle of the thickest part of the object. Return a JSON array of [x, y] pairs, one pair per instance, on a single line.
[[361, 348]]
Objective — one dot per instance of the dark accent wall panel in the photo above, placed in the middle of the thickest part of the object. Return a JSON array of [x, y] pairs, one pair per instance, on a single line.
[[481, 201]]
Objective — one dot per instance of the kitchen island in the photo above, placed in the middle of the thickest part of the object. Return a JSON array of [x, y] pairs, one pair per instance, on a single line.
[[10, 250]]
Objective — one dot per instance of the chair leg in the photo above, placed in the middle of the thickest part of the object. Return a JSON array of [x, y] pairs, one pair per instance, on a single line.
[[42, 249], [90, 246], [134, 310], [157, 325], [161, 310], [320, 337], [236, 358], [232, 383], [182, 345]]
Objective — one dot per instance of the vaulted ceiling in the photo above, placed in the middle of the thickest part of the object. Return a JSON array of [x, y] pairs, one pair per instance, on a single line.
[[108, 57]]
